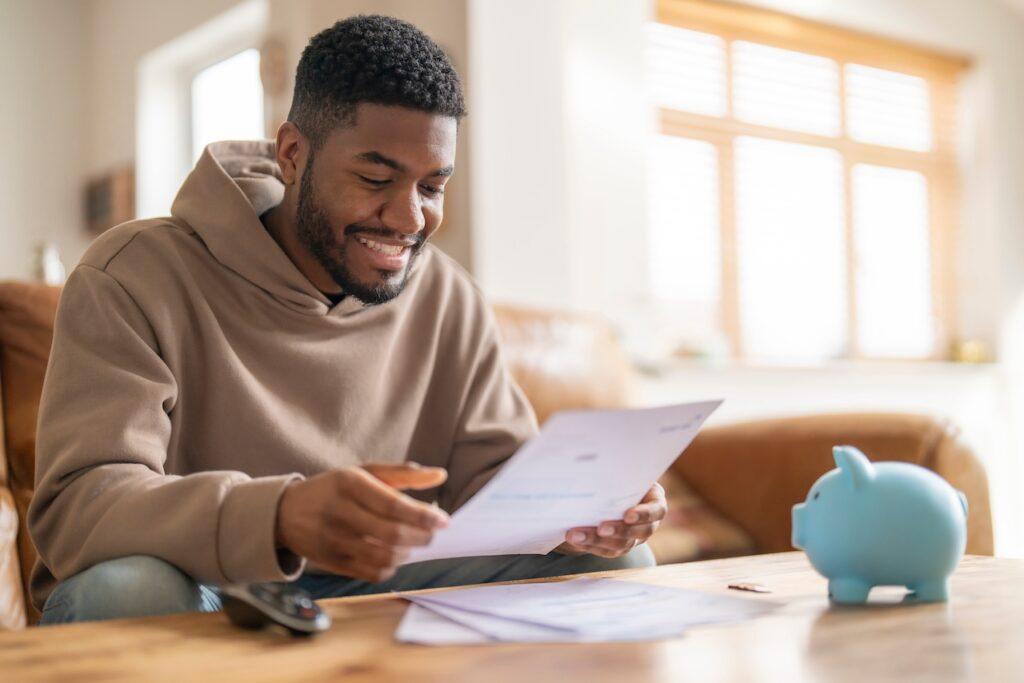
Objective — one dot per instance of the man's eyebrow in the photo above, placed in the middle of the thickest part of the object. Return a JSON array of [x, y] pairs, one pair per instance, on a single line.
[[378, 158]]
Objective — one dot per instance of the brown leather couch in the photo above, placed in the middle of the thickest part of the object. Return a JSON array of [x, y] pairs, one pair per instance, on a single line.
[[745, 477]]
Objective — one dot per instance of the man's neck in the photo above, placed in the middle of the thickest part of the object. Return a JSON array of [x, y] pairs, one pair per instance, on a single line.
[[280, 223]]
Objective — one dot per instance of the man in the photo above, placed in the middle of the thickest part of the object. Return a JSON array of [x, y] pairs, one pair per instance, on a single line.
[[240, 389]]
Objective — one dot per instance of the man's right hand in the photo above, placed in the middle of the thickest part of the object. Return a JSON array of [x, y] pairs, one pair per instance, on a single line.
[[355, 522]]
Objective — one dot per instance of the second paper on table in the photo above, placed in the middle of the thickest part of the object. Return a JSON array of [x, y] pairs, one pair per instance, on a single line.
[[583, 468]]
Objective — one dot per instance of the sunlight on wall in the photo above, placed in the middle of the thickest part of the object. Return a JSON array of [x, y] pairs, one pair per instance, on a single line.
[[227, 101]]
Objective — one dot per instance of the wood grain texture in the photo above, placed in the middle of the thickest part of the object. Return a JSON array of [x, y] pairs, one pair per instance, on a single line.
[[977, 636]]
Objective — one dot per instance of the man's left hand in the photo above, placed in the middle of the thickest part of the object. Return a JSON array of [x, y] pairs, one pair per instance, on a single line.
[[615, 538]]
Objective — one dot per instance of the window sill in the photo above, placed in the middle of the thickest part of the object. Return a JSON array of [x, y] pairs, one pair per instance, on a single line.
[[674, 366]]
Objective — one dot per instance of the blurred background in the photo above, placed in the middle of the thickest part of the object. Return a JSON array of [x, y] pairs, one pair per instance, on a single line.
[[801, 206]]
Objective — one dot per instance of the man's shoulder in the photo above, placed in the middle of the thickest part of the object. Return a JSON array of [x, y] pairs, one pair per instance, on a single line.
[[444, 277], [131, 244], [447, 291]]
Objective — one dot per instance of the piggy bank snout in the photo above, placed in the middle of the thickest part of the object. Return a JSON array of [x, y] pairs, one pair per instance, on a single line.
[[799, 510]]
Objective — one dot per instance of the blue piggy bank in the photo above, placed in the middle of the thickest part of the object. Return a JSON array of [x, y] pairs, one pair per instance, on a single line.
[[881, 524]]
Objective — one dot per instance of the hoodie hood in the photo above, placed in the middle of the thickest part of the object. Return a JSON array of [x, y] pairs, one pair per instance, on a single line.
[[222, 199]]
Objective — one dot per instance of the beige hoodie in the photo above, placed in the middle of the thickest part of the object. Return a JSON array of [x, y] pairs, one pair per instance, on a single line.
[[195, 372]]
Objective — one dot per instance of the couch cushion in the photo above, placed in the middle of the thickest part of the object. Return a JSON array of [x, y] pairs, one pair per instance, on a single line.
[[27, 311]]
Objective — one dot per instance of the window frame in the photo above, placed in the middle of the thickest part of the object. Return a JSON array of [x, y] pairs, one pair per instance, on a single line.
[[939, 165]]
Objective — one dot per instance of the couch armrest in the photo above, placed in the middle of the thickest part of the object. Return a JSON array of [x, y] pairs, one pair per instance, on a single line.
[[12, 594], [754, 472]]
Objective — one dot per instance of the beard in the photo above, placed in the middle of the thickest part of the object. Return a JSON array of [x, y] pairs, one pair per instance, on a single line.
[[314, 231]]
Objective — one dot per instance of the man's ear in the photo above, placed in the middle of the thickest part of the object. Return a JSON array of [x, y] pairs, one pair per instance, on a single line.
[[292, 152]]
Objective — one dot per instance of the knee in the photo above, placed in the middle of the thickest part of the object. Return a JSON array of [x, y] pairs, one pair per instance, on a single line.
[[135, 586]]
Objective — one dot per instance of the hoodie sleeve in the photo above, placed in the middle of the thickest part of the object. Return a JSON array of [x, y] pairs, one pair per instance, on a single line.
[[104, 427], [495, 419]]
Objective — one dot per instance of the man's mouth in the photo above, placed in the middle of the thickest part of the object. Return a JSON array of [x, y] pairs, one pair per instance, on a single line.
[[383, 248], [390, 254]]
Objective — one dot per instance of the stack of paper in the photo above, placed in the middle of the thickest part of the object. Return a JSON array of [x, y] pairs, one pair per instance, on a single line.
[[577, 610]]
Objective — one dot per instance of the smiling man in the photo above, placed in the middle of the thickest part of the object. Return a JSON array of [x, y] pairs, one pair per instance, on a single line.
[[239, 392]]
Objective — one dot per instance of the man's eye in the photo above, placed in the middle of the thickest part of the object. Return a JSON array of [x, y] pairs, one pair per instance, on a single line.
[[431, 190], [373, 181]]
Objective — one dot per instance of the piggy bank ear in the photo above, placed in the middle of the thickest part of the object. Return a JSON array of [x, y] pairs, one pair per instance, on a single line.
[[855, 466]]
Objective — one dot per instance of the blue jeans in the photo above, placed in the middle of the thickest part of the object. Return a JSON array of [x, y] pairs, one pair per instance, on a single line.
[[141, 586]]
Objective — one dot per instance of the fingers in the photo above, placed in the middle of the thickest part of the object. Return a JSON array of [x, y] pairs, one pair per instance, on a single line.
[[588, 537], [609, 539], [368, 551], [362, 558], [608, 530], [593, 546], [652, 508], [377, 497], [617, 537], [408, 475], [361, 522], [646, 513]]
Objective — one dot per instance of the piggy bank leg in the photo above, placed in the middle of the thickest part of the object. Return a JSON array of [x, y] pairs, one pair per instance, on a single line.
[[848, 590], [931, 591]]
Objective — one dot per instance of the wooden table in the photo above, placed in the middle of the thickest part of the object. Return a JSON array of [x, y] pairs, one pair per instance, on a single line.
[[979, 636]]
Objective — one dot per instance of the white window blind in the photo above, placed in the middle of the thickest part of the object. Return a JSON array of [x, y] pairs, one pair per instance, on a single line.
[[888, 108], [791, 250], [685, 261], [894, 299], [785, 89], [686, 69]]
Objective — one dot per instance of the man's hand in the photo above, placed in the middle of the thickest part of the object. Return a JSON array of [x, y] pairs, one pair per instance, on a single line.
[[618, 537], [355, 522]]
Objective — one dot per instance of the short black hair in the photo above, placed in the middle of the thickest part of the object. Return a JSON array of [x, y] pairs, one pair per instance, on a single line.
[[373, 59]]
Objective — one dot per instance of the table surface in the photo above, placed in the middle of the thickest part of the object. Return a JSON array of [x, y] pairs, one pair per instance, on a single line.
[[978, 636]]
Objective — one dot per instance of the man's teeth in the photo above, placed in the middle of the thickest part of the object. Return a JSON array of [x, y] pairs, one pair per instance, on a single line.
[[389, 249]]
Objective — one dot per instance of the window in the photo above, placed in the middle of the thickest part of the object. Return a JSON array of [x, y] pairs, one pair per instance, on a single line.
[[802, 184], [227, 101]]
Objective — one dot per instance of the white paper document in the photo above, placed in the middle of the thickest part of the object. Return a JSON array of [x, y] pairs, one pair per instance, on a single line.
[[583, 468], [425, 627], [578, 610]]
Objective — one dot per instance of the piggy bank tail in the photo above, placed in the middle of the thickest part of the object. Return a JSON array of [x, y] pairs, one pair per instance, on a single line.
[[963, 502]]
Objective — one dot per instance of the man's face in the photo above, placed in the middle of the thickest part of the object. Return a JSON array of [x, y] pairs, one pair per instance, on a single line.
[[372, 195]]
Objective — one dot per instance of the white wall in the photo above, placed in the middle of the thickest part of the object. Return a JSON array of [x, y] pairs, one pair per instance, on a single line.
[[45, 131], [121, 33], [559, 126]]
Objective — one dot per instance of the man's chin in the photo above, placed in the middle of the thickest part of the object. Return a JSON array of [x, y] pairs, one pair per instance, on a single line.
[[374, 291]]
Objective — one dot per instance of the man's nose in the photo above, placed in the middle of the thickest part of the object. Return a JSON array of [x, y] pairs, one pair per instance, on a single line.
[[403, 212]]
